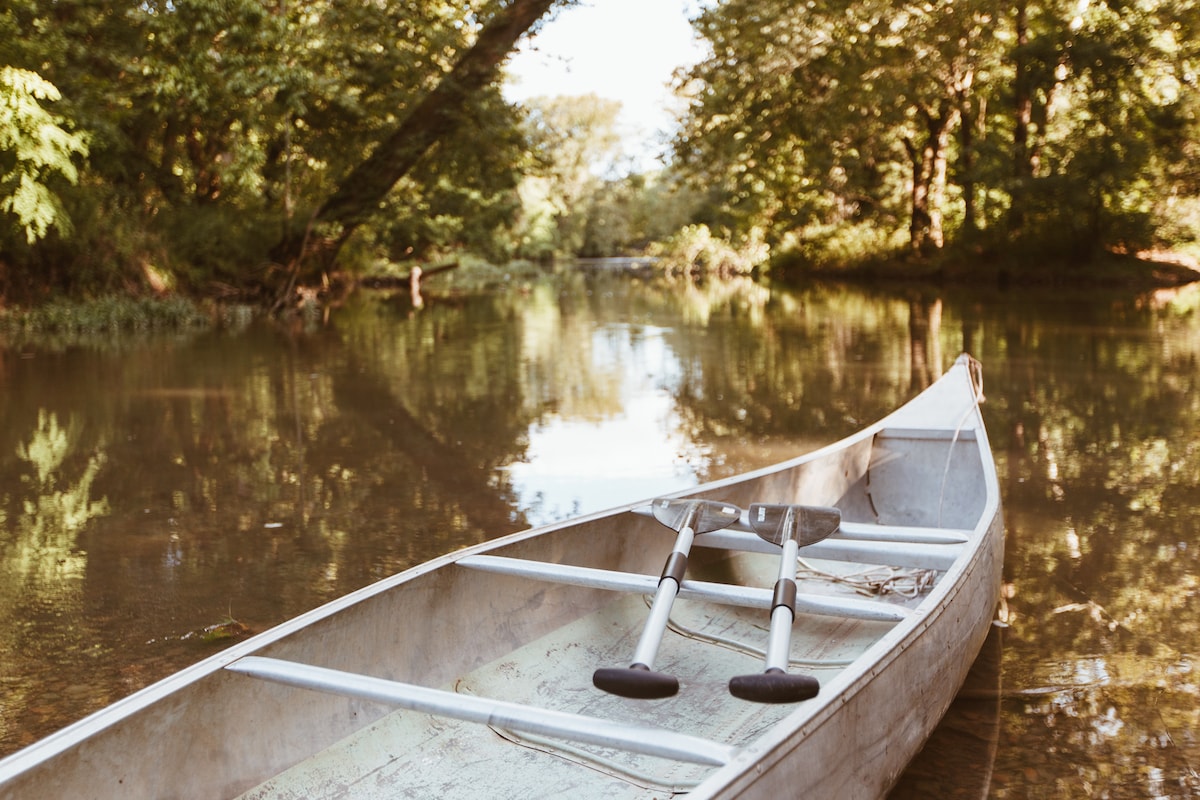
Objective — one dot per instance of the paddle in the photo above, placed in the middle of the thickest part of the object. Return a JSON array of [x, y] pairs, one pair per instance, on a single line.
[[791, 527], [689, 518]]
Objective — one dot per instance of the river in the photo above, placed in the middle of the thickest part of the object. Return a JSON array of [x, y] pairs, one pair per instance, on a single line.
[[154, 489]]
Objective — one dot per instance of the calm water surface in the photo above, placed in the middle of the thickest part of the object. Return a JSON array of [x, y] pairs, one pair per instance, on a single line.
[[150, 490]]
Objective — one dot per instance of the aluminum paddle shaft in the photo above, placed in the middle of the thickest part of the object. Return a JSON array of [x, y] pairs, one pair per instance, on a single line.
[[689, 518], [790, 527]]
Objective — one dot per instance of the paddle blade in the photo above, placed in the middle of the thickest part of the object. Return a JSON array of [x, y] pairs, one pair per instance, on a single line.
[[808, 524], [637, 682], [706, 515], [774, 686]]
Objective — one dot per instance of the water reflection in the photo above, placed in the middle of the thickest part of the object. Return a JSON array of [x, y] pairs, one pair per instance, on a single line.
[[582, 457], [154, 488]]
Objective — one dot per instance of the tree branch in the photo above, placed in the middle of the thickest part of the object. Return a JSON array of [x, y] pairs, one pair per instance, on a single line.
[[360, 193]]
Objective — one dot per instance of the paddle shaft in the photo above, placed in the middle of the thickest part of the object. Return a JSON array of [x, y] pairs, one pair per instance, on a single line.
[[664, 596], [688, 518], [784, 612], [798, 524]]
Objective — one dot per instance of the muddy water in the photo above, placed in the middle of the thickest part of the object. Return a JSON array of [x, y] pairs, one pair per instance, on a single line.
[[160, 498]]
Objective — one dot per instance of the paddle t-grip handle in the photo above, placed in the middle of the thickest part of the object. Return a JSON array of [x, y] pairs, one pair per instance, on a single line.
[[637, 682], [774, 686]]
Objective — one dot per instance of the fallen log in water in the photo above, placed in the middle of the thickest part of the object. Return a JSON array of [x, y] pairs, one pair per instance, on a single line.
[[404, 281]]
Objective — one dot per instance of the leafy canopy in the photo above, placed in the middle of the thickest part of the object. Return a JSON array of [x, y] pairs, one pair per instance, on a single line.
[[35, 149]]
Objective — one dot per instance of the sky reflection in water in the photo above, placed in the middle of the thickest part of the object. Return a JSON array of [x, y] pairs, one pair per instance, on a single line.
[[577, 465]]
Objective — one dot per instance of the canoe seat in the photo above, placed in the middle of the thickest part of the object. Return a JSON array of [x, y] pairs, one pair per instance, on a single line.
[[887, 553], [498, 713], [723, 593], [865, 531]]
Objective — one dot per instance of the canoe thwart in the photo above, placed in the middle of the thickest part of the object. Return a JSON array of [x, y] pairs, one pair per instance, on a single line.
[[498, 713], [869, 531], [892, 554], [722, 593], [864, 531]]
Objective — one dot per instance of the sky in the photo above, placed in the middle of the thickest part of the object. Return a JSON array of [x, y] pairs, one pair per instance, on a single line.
[[623, 50]]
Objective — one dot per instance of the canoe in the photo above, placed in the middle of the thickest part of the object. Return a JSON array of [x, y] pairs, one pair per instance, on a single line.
[[811, 625]]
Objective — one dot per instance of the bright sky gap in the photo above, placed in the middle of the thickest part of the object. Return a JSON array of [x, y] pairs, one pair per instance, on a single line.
[[624, 50]]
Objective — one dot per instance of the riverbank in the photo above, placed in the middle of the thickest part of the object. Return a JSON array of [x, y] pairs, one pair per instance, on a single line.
[[1136, 274], [1140, 272]]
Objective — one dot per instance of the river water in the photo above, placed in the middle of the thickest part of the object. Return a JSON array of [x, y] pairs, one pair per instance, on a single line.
[[153, 490]]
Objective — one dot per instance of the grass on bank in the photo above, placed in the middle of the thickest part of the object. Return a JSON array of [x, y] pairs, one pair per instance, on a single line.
[[111, 314], [1136, 272]]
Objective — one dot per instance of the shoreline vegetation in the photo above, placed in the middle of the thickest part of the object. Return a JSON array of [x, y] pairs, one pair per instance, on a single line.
[[172, 313], [235, 155]]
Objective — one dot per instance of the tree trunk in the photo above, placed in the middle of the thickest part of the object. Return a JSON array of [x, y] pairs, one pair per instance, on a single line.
[[972, 119], [312, 248], [929, 180], [1023, 118]]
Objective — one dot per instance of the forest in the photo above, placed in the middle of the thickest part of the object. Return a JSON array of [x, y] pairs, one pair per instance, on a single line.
[[248, 148]]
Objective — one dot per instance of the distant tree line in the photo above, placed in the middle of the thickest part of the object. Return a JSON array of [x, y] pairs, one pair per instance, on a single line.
[[241, 145]]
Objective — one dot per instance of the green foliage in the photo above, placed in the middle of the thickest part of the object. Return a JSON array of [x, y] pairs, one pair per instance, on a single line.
[[1065, 126], [828, 132], [627, 215], [35, 148], [694, 250], [829, 247], [573, 142], [215, 125], [464, 196], [576, 200]]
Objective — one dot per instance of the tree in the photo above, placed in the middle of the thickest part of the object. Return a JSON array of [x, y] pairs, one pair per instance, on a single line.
[[435, 116], [1099, 88], [573, 141], [35, 148], [1053, 122], [225, 131], [809, 110]]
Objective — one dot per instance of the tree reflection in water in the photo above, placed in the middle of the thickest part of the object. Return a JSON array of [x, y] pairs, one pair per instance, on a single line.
[[257, 472]]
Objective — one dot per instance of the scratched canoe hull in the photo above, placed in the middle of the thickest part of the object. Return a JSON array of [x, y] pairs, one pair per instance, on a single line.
[[471, 675]]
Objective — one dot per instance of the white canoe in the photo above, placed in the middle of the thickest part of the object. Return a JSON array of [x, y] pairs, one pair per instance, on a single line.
[[472, 675]]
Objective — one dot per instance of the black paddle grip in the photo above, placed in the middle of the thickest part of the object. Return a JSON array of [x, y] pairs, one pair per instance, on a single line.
[[638, 682], [774, 686]]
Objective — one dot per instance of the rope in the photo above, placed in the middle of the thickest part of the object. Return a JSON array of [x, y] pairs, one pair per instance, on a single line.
[[878, 581], [584, 758], [975, 376], [595, 762]]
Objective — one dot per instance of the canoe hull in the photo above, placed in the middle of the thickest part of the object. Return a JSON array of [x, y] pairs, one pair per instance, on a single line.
[[210, 732]]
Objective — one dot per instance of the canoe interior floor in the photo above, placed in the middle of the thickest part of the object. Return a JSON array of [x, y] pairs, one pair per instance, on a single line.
[[415, 755]]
